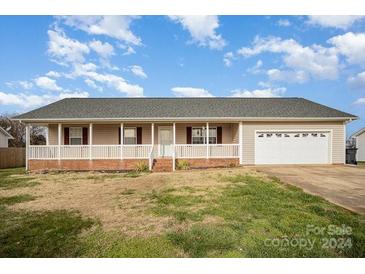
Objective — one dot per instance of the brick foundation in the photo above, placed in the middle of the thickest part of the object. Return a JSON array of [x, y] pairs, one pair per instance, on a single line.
[[127, 164], [210, 163]]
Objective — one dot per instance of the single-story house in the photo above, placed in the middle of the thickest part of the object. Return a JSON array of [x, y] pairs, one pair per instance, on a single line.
[[118, 133], [4, 137], [358, 138]]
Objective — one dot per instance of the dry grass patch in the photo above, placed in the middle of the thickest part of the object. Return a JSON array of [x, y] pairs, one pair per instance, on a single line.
[[120, 201]]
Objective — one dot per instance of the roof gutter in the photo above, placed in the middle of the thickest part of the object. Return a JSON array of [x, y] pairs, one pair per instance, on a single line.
[[187, 119]]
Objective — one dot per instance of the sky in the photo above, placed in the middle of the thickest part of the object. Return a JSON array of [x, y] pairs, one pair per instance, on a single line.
[[45, 58]]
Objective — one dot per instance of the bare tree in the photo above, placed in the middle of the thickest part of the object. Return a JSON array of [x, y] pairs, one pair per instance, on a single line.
[[17, 130]]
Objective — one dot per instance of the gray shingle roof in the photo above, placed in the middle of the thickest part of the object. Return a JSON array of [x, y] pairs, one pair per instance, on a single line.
[[129, 108]]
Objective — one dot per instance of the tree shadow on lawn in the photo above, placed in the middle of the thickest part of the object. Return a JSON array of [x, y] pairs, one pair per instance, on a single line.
[[39, 234]]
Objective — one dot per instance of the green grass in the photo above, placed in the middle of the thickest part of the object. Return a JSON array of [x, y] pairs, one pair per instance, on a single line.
[[100, 244], [14, 177], [240, 217], [256, 211], [39, 234]]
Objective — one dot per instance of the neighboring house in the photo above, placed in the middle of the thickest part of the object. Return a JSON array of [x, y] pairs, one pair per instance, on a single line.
[[118, 133], [4, 138], [358, 140]]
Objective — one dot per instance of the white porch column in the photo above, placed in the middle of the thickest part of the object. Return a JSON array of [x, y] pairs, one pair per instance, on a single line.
[[240, 136], [59, 140], [91, 140], [27, 143], [47, 135], [153, 134], [121, 140], [207, 139], [173, 147]]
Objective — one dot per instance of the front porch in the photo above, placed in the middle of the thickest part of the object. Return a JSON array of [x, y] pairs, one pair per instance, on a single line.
[[121, 146]]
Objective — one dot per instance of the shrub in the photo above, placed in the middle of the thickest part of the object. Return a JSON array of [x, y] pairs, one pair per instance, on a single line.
[[141, 167], [183, 165]]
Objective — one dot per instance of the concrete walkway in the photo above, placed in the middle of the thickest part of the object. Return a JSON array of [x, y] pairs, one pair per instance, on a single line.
[[342, 185]]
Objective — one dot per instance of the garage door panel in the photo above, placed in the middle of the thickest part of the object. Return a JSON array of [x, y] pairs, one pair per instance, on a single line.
[[292, 148]]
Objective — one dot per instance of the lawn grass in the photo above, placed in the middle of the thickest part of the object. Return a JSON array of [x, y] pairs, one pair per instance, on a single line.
[[39, 234], [253, 211], [15, 177], [241, 215]]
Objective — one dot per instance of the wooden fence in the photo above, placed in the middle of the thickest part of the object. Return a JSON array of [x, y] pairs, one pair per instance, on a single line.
[[12, 157]]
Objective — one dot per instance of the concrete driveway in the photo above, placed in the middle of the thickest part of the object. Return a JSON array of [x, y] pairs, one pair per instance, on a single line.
[[342, 185]]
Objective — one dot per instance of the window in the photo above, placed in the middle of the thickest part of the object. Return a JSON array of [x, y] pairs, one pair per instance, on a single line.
[[198, 135], [75, 137], [130, 136]]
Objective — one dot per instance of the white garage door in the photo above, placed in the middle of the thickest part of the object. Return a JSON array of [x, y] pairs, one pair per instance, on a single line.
[[292, 147]]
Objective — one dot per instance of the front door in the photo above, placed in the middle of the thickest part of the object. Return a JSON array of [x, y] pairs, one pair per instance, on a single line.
[[165, 141]]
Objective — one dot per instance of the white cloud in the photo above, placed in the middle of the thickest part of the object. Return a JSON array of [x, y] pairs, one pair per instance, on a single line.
[[261, 93], [284, 23], [202, 29], [317, 61], [129, 51], [34, 100], [357, 81], [105, 50], [360, 101], [228, 58], [25, 84], [190, 92], [351, 45], [117, 27], [65, 50], [256, 69], [138, 71], [334, 21], [53, 74], [93, 85], [88, 71], [287, 76], [47, 83]]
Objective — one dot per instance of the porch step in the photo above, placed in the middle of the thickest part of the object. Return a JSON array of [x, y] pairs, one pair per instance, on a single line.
[[162, 165]]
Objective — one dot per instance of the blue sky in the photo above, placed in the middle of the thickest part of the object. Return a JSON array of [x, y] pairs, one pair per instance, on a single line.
[[321, 58]]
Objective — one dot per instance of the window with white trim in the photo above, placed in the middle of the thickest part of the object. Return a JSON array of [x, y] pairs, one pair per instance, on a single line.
[[198, 135], [130, 136], [75, 137]]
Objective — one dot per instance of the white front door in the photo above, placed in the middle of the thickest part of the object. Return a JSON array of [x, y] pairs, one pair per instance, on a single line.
[[306, 147], [165, 141]]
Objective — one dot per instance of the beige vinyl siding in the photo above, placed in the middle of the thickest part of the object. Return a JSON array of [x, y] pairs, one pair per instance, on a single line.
[[103, 134], [337, 138], [52, 134]]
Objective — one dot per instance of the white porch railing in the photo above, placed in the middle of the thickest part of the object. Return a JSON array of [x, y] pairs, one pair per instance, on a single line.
[[43, 152], [105, 151], [213, 151], [131, 151], [190, 151], [223, 151], [136, 151], [72, 152]]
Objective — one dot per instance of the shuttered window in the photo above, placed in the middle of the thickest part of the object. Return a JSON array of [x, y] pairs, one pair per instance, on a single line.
[[198, 135], [130, 136], [75, 135]]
